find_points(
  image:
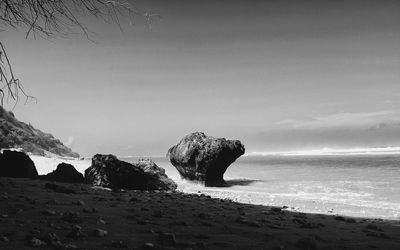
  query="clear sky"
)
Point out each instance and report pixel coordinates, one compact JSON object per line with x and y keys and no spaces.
{"x":277,"y":75}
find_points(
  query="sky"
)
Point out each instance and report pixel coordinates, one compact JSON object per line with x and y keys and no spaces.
{"x":278,"y":75}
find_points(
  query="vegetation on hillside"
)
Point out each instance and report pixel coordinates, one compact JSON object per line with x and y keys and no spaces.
{"x":16,"y":134}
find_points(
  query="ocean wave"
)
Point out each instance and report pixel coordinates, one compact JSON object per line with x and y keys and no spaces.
{"x":331,"y":151}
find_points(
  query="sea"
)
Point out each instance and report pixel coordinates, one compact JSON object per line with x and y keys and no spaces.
{"x":366,"y":185}
{"x":359,"y":184}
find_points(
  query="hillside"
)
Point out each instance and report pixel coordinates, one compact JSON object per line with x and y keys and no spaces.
{"x":17,"y":134}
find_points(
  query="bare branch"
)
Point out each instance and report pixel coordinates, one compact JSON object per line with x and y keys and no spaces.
{"x":50,"y":18}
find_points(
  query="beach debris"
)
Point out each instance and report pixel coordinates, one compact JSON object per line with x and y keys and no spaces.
{"x":108,"y":171}
{"x":199,"y":157}
{"x":64,"y":173}
{"x":59,"y":188}
{"x":16,"y":164}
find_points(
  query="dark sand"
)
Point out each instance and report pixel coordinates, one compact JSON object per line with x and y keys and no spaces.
{"x":31,"y":214}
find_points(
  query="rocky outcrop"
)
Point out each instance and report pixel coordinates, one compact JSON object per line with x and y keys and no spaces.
{"x":108,"y":171}
{"x":64,"y":173}
{"x":17,"y":134}
{"x":16,"y":164}
{"x":198,"y":157}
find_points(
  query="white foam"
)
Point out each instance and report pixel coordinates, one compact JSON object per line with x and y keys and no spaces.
{"x":45,"y":165}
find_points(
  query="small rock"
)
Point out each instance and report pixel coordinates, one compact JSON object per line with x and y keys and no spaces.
{"x":35,"y":242}
{"x":79,"y":203}
{"x":100,"y":233}
{"x":4,"y":238}
{"x":148,"y":246}
{"x":100,"y":221}
{"x":49,"y":212}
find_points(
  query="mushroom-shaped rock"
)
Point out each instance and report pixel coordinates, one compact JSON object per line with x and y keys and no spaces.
{"x":108,"y":171}
{"x":64,"y":173}
{"x":198,"y":157}
{"x":16,"y":164}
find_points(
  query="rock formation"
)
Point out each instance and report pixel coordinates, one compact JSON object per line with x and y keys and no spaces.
{"x":108,"y":171}
{"x":16,"y":164}
{"x":198,"y":157}
{"x":17,"y":134}
{"x":64,"y":173}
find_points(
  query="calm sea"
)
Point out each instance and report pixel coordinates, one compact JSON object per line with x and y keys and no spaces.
{"x":353,"y":185}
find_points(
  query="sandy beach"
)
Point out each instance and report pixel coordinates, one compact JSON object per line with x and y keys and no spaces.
{"x":57,"y":215}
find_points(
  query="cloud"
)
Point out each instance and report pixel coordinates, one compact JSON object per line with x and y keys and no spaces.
{"x":343,"y":120}
{"x":69,"y":141}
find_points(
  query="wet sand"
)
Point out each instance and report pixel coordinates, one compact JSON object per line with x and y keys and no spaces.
{"x":47,"y":215}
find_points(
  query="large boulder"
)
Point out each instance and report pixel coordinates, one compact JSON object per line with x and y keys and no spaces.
{"x":16,"y":164}
{"x":64,"y":173}
{"x":108,"y":171}
{"x":198,"y":157}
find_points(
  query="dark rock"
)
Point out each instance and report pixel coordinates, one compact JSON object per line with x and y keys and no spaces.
{"x":16,"y":164}
{"x":108,"y":171}
{"x":198,"y":157}
{"x":64,"y":173}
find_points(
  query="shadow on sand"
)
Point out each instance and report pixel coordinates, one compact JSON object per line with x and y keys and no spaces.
{"x":240,"y":182}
